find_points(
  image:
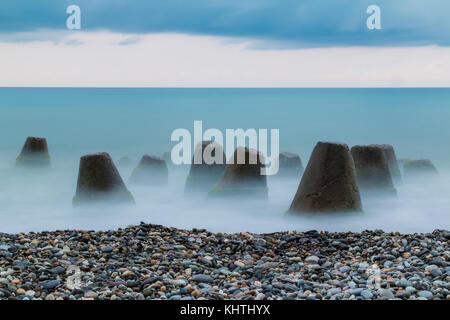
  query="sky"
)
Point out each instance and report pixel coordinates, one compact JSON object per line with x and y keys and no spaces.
{"x":225,"y":43}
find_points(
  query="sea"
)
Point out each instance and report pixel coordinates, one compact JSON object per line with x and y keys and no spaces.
{"x":132,"y":122}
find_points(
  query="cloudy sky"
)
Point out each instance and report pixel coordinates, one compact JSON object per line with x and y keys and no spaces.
{"x":225,"y":43}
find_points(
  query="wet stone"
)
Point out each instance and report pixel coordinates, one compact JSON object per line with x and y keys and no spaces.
{"x":161,"y":266}
{"x":202,"y":278}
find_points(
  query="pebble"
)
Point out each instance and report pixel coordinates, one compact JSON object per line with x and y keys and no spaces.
{"x":30,"y":293}
{"x":153,"y":262}
{"x":366,"y":294}
{"x":50,"y":297}
{"x":260,"y":296}
{"x":385,"y":294}
{"x":51,"y":284}
{"x":425,"y":294}
{"x":312,"y":260}
{"x":20,"y":291}
{"x":107,"y":249}
{"x":436,"y":272}
{"x":91,"y":294}
{"x":345,"y":269}
{"x":202,"y":278}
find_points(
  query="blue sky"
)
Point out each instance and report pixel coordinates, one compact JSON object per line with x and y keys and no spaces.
{"x":290,"y":23}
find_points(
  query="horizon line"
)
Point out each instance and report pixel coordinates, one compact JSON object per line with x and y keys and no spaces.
{"x":219,"y":87}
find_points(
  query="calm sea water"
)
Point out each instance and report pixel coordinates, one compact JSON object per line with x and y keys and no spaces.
{"x":133,"y":122}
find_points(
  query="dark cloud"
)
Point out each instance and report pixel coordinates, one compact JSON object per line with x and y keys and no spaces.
{"x":288,"y":23}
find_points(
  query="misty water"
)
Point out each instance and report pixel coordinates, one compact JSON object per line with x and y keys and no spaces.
{"x":133,"y":122}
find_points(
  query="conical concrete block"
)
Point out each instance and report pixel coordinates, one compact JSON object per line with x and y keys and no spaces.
{"x":203,"y":175}
{"x":290,"y":165}
{"x":372,"y":171}
{"x":243,"y":176}
{"x":329,"y":182}
{"x":99,"y":181}
{"x":34,"y":153}
{"x":392,"y":162}
{"x":151,"y":171}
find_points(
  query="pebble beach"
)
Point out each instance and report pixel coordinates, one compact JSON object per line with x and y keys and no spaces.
{"x":147,"y":261}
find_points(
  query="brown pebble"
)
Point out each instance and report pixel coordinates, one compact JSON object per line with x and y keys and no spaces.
{"x":20,"y":291}
{"x":196,"y":293}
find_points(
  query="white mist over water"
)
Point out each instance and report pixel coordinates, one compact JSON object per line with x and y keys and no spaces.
{"x":134,"y":122}
{"x":42,"y":201}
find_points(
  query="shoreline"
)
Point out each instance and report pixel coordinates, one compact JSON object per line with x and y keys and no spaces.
{"x":199,"y":229}
{"x":148,"y":261}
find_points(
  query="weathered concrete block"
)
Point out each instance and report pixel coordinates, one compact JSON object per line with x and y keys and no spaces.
{"x":392,"y":162}
{"x":419,"y":167}
{"x":242,"y":176}
{"x":150,"y":171}
{"x":290,"y":165}
{"x":203,"y":175}
{"x":99,"y":181}
{"x":329,"y":182}
{"x":372,"y":171}
{"x":34,"y":153}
